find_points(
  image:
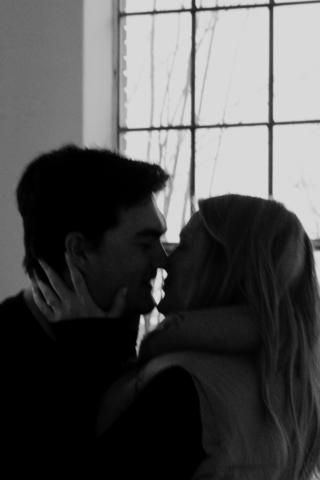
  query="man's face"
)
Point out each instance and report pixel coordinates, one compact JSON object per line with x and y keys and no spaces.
{"x":129,"y":255}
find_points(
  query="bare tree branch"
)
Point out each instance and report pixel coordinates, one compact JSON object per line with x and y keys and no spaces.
{"x":152,"y":75}
{"x":166,"y":93}
{"x":212,"y":27}
{"x":226,"y":102}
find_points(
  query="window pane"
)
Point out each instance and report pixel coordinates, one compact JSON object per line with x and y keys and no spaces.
{"x":154,"y":70}
{"x":297,"y":172}
{"x":227,"y":3}
{"x":150,"y":5}
{"x":297,"y":62}
{"x":232,"y":66}
{"x":171,"y":150}
{"x":233,"y":160}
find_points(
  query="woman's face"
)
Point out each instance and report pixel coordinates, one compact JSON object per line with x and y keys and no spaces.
{"x":185,"y":267}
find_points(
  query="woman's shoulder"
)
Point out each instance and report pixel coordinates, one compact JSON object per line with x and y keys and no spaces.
{"x":213,"y":366}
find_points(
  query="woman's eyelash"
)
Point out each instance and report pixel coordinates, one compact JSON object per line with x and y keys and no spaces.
{"x":145,"y":245}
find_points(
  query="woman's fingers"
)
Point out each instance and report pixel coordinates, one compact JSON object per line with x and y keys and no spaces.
{"x":78,"y":281}
{"x":49,"y":295}
{"x":58,"y":286}
{"x":41,"y":303}
{"x":118,"y":305}
{"x":59,"y":302}
{"x":65,"y":302}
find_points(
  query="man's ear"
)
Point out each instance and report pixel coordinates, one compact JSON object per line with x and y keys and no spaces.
{"x":79,"y":249}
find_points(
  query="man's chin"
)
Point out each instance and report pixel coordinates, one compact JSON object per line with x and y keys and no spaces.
{"x":162,"y":307}
{"x":142,"y":307}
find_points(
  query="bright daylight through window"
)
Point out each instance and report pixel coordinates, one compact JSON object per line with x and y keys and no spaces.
{"x":224,"y":94}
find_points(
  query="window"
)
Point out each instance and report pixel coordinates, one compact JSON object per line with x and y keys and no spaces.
{"x":224,"y":94}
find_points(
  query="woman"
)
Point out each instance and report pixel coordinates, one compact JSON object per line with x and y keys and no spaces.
{"x":260,"y":414}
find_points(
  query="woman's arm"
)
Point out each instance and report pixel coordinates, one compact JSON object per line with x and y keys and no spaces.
{"x":222,"y":330}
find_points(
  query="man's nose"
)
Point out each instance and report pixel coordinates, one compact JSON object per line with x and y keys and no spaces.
{"x":161,"y":257}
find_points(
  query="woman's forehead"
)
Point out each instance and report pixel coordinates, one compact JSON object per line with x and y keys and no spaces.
{"x":193,"y":225}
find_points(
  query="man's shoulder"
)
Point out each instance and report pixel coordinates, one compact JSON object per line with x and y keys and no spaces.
{"x":12,"y":307}
{"x":17,"y":323}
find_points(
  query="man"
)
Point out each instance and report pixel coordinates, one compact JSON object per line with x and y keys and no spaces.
{"x":97,"y":207}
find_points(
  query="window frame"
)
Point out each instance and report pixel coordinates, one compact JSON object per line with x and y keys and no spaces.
{"x":193,"y":127}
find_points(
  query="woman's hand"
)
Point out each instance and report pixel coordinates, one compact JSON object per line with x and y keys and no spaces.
{"x":58,"y":302}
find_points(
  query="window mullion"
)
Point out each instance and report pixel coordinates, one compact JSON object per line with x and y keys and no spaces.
{"x":193,"y":120}
{"x":271,"y":96}
{"x":116,"y":63}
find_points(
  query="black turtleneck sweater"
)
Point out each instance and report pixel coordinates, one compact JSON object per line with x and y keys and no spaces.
{"x":51,"y":389}
{"x":50,"y":394}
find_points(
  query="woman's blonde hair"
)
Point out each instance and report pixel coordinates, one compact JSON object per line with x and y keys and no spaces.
{"x":269,"y":264}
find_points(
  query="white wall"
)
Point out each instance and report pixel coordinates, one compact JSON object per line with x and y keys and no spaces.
{"x":99,"y":74}
{"x":42,"y":98}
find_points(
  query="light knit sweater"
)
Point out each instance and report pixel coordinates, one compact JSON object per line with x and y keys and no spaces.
{"x":237,"y":435}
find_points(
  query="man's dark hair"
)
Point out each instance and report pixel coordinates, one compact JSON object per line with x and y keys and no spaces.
{"x":78,"y":189}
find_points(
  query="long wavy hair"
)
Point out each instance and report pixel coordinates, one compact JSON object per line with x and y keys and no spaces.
{"x":269,"y":265}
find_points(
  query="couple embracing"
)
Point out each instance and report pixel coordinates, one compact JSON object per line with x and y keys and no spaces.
{"x":225,"y":387}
